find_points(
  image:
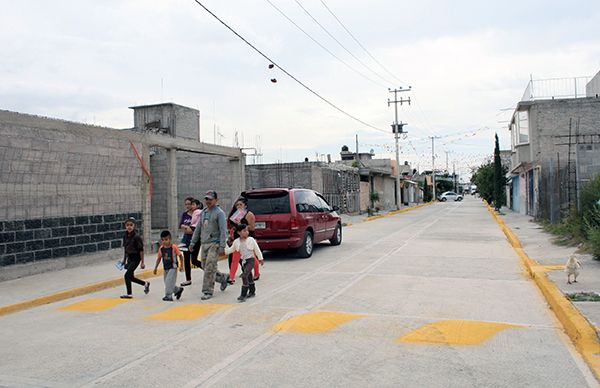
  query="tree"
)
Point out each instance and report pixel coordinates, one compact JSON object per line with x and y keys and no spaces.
{"x":426,"y":192}
{"x":483,"y":178}
{"x":499,"y":179}
{"x":443,"y":185}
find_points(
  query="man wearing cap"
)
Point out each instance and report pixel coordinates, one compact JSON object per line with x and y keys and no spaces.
{"x":212,"y":232}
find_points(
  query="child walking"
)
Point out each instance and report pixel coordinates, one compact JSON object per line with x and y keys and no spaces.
{"x":247,"y":248}
{"x":169,"y":253}
{"x":133,"y":247}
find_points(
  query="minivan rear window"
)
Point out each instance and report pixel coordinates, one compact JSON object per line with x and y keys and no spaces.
{"x":275,"y":203}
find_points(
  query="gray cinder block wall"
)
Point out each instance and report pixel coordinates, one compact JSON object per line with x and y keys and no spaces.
{"x":339,"y":184}
{"x":196,"y":174}
{"x":549,"y":119}
{"x":168,"y":118}
{"x":66,"y":188}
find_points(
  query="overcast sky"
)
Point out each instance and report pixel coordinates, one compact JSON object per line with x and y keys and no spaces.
{"x":465,"y":60}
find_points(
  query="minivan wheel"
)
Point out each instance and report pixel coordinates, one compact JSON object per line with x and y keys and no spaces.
{"x":306,"y":249}
{"x":337,"y":236}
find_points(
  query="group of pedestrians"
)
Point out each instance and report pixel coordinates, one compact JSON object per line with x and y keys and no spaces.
{"x":205,"y":234}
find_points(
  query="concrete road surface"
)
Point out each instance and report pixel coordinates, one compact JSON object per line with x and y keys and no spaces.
{"x":434,"y":297}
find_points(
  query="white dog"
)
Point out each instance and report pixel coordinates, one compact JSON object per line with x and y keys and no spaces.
{"x":572,"y":268}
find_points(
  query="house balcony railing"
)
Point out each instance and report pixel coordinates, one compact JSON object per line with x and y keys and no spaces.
{"x":555,"y":88}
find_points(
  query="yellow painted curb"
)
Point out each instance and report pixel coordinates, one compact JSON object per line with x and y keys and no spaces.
{"x":73,"y":292}
{"x":396,"y":212}
{"x":582,"y":333}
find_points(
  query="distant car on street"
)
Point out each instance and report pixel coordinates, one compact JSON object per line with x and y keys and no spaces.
{"x":293,"y":218}
{"x":450,"y":195}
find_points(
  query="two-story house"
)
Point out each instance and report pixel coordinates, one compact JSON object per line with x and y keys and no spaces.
{"x":555,"y":144}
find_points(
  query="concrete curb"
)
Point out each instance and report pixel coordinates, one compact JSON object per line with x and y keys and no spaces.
{"x":73,"y":292}
{"x":103,"y":285}
{"x":395,"y":212}
{"x":578,"y":328}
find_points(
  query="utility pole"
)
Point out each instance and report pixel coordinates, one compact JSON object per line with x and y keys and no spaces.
{"x":447,"y":152}
{"x":433,"y":163}
{"x":397,"y":130}
{"x":454,"y":176}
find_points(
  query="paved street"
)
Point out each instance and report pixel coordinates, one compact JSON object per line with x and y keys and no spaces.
{"x":432,"y":297}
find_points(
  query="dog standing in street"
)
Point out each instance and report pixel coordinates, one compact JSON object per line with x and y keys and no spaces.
{"x":572,"y":267}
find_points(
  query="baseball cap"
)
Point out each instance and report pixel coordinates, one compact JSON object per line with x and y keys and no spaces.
{"x":211,"y":194}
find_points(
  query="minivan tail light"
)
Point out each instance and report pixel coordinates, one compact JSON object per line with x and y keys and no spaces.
{"x":294,"y":224}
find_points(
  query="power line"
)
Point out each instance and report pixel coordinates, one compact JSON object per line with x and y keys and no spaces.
{"x":340,"y":43}
{"x":360,"y":44}
{"x":323,"y":47}
{"x":287,"y":73}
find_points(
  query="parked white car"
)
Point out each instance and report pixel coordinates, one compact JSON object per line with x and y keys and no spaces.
{"x":450,"y":195}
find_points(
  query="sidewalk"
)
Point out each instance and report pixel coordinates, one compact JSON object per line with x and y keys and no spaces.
{"x":28,"y":288}
{"x":35,"y":286}
{"x":539,"y":246}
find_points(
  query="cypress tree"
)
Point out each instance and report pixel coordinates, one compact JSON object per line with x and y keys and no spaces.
{"x":499,"y":179}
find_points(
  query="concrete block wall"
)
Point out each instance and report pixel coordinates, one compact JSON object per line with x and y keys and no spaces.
{"x":187,"y":122}
{"x":65,"y":187}
{"x":592,"y":89}
{"x":196,"y":174}
{"x":385,"y":186}
{"x":588,"y":156}
{"x":176,"y":120}
{"x":548,"y":119}
{"x":280,"y":175}
{"x":34,"y":240}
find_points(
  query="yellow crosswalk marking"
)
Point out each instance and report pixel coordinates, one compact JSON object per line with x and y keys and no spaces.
{"x":318,"y":322}
{"x":455,"y":332}
{"x":94,"y":304}
{"x":188,"y":312}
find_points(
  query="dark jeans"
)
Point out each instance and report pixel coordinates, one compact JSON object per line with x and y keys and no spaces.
{"x":247,"y":267}
{"x":132,"y":264}
{"x":190,"y":258}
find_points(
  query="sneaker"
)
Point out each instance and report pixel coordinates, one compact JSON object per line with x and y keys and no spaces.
{"x":126,"y":297}
{"x":224,"y":283}
{"x":206,"y":296}
{"x":241,"y":298}
{"x":168,"y":299}
{"x":147,"y":288}
{"x":178,"y":293}
{"x":188,"y":283}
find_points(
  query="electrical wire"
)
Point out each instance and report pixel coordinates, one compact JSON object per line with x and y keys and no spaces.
{"x":361,"y":45}
{"x":289,"y":74}
{"x":323,"y":47}
{"x":340,"y":43}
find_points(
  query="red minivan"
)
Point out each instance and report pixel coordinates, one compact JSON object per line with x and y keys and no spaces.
{"x":293,"y":218}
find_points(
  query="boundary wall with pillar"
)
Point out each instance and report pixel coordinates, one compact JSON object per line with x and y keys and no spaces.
{"x":67,"y":187}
